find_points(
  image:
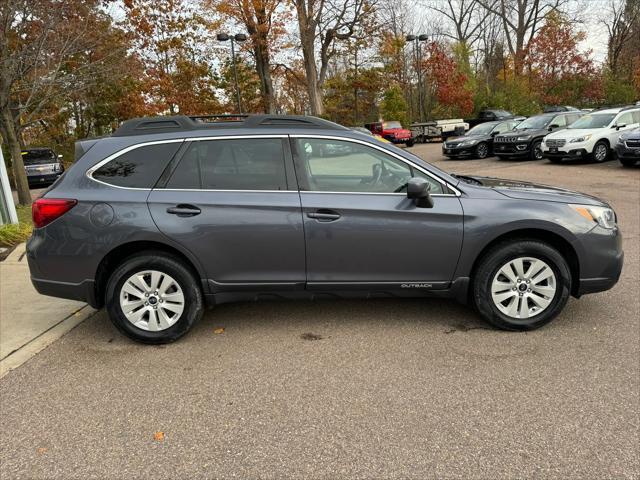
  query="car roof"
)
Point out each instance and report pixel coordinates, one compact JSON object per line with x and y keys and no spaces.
{"x":209,"y":123}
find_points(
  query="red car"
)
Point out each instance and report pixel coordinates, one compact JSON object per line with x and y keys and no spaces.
{"x":391,"y":131}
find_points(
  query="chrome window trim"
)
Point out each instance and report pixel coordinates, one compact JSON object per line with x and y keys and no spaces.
{"x":89,"y":173}
{"x":442,"y":182}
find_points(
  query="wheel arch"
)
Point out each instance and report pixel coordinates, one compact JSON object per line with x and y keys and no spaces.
{"x":556,"y":240}
{"x":118,"y":254}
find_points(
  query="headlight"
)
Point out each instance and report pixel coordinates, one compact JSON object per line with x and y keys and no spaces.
{"x":603,"y":216}
{"x":584,"y":138}
{"x":524,"y":138}
{"x":467,"y":143}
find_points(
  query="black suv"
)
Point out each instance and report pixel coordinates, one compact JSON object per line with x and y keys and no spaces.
{"x":526,"y":138}
{"x":628,"y":148}
{"x":170,"y":214}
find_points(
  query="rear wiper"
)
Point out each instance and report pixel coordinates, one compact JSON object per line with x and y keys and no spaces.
{"x":467,"y":179}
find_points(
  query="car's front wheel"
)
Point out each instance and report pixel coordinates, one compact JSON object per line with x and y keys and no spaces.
{"x":628,"y":162}
{"x":521,"y":285}
{"x":600,"y":152}
{"x":153,"y":298}
{"x":482,"y":150}
{"x":536,"y":150}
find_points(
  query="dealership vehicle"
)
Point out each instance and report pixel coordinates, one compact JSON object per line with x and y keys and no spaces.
{"x":559,"y":108}
{"x":478,"y":142}
{"x":42,"y":165}
{"x":392,"y":131}
{"x":170,"y":214}
{"x":442,"y":129}
{"x":593,"y":136}
{"x":628,"y":148}
{"x":526,"y":138}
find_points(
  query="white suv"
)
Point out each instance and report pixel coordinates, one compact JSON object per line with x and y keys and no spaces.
{"x":593,"y":136}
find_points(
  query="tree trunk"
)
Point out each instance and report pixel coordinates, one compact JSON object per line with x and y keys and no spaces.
{"x":307,"y":29}
{"x":263,"y":67}
{"x":20,"y":176}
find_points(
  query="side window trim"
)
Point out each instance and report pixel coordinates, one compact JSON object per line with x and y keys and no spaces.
{"x":302,"y":181}
{"x":89,"y":173}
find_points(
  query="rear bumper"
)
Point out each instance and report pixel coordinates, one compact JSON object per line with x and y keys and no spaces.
{"x":83,"y":291}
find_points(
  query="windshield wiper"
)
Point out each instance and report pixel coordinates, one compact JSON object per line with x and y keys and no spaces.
{"x":467,"y":179}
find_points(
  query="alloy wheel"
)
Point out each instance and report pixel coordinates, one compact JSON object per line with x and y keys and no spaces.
{"x":600,"y":152}
{"x":152,"y":300}
{"x":523,"y":288}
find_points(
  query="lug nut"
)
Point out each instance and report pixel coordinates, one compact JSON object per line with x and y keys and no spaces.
{"x":146,"y":294}
{"x":146,"y":303}
{"x":155,"y":307}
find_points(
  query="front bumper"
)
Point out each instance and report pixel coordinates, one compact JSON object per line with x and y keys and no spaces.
{"x":452,"y":152}
{"x":601,"y":266}
{"x":628,"y":153}
{"x":43,"y":178}
{"x":573,"y":154}
{"x":511,"y":149}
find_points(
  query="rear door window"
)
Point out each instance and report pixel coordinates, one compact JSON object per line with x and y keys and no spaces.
{"x":232,"y":164}
{"x":137,"y":168}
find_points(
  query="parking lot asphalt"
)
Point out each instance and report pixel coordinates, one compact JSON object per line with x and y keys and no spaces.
{"x":349,"y":389}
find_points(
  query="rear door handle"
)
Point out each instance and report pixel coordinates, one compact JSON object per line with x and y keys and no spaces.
{"x":184,"y":210}
{"x":324,"y":215}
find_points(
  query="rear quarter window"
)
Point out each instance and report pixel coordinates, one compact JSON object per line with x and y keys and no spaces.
{"x":137,"y":168}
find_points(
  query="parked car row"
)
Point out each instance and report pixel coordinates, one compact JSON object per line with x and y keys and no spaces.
{"x":557,"y":136}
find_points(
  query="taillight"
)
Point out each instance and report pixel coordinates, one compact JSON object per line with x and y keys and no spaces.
{"x":46,"y":210}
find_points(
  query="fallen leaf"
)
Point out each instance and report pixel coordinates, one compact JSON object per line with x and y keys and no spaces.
{"x":41,"y":450}
{"x":219,"y":330}
{"x":158,"y":436}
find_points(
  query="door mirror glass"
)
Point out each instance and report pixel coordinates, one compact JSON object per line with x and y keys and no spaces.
{"x":418,"y":191}
{"x":553,"y":126}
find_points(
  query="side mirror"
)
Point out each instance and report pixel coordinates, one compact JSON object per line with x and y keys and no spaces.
{"x":619,"y":126}
{"x":418,"y":191}
{"x":553,"y":126}
{"x":493,"y":134}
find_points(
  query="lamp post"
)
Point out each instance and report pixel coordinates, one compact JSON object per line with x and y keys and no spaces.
{"x":238,"y":37}
{"x":416,"y":39}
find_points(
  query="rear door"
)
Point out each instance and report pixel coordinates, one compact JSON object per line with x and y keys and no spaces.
{"x":362,"y":230}
{"x":233,"y":202}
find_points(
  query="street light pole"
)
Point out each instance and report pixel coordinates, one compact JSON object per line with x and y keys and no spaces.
{"x":238,"y":37}
{"x":416,"y":39}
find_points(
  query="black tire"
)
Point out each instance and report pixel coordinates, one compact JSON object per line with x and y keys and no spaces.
{"x":170,"y":265}
{"x":536,"y":150}
{"x":500,"y":255}
{"x":410,"y":143}
{"x":599,"y":145}
{"x":628,"y":162}
{"x":482,"y":150}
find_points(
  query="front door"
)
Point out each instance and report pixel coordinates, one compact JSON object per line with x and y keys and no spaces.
{"x":362,"y":230}
{"x":230,"y":203}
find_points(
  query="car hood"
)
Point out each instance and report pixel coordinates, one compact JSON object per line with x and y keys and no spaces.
{"x":634,"y":134}
{"x":535,"y":191}
{"x":467,"y":137}
{"x":569,"y":133}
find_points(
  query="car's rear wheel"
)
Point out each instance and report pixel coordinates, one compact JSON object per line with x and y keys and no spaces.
{"x":521,"y":285}
{"x":482,"y":150}
{"x":153,"y":298}
{"x":600,"y":151}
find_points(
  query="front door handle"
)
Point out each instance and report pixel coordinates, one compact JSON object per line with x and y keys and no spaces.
{"x":184,"y":210}
{"x":324,"y":215}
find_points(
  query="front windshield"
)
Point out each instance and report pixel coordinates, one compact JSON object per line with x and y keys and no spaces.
{"x":595,"y":120}
{"x":482,"y":129}
{"x":534,"y":123}
{"x":34,"y":157}
{"x":388,"y":125}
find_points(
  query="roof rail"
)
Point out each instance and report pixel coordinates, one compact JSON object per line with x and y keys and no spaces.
{"x":183,"y":123}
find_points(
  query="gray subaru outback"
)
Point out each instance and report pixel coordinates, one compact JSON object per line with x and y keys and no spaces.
{"x":172,"y":214}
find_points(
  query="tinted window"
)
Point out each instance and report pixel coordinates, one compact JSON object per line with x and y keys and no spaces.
{"x":34,"y":157}
{"x":138,"y":168}
{"x":239,"y":164}
{"x":340,"y":166}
